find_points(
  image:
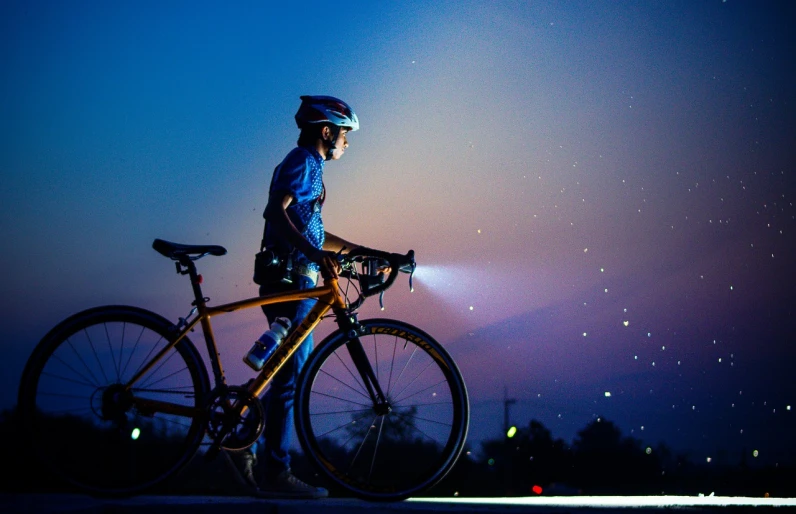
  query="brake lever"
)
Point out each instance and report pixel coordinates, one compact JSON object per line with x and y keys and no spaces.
{"x":410,"y":268}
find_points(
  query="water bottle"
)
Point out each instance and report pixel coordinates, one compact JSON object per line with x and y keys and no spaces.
{"x":267,"y":343}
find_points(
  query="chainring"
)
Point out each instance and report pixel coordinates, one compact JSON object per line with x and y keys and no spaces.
{"x":236,"y":416}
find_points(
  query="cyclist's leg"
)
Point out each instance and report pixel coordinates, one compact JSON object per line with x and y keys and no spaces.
{"x":278,"y":400}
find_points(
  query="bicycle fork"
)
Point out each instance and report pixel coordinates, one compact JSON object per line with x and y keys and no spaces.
{"x":360,"y":359}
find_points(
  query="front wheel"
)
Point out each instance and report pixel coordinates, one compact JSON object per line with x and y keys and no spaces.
{"x":387,"y":448}
{"x":81,"y":420}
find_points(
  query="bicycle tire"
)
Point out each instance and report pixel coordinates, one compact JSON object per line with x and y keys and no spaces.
{"x":386,"y":456}
{"x":96,"y":443}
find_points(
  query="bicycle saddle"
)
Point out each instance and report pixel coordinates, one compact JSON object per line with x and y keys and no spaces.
{"x":175,"y":250}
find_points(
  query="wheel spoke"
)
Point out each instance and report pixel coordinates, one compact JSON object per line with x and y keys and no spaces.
{"x":414,"y":380}
{"x":79,"y":356}
{"x":362,"y":444}
{"x":375,"y":449}
{"x":334,"y":397}
{"x":358,"y":390}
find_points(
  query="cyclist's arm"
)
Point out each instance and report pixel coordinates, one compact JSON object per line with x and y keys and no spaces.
{"x":276,"y":213}
{"x":337,"y":244}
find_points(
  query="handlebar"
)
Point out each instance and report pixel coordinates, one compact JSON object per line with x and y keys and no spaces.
{"x":372,"y":279}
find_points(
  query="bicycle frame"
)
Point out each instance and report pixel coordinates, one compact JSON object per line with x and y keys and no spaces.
{"x":329,"y":298}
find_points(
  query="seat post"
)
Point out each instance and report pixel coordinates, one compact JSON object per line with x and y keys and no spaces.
{"x":196,"y":280}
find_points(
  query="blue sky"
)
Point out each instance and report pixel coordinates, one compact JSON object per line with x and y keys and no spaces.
{"x":600,"y":194}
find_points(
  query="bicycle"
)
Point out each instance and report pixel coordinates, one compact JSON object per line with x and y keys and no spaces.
{"x":133,"y":395}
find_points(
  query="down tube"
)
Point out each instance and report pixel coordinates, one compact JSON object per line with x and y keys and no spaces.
{"x":288,"y":346}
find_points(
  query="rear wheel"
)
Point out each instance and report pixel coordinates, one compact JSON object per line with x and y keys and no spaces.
{"x":382,"y":450}
{"x":82,"y":422}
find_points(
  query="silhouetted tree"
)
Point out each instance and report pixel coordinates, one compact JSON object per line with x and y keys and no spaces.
{"x":608,"y":463}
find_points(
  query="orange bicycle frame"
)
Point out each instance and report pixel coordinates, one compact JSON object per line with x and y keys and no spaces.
{"x":328,"y":296}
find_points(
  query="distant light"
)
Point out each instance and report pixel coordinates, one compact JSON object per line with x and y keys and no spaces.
{"x":135,"y":434}
{"x":626,"y":323}
{"x":491,"y":462}
{"x":607,"y":394}
{"x":755,"y":453}
{"x":709,"y":459}
{"x":648,"y":450}
{"x":536,"y":489}
{"x":512,"y":432}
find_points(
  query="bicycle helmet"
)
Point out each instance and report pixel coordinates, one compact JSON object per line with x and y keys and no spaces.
{"x":326,"y":109}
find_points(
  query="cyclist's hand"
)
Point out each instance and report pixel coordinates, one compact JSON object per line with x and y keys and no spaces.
{"x":330,"y":266}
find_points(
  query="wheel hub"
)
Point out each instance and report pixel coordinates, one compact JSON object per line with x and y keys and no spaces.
{"x":116,"y":401}
{"x":382,"y":409}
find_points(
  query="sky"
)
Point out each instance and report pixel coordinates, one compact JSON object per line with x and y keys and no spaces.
{"x":599,"y":194}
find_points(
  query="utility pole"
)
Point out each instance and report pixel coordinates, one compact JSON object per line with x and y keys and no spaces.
{"x":506,"y":403}
{"x":508,"y":467}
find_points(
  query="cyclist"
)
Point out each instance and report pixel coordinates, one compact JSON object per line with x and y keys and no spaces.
{"x":294,"y":228}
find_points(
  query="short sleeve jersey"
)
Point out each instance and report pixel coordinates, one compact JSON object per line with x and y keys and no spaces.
{"x":300,"y":174}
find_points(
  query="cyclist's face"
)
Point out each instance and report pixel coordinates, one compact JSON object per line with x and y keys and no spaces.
{"x":341,"y":143}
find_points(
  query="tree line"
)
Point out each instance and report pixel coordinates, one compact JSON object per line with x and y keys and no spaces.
{"x":600,"y":461}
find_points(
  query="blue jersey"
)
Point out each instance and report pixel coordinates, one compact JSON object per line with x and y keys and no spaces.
{"x":300,"y":174}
